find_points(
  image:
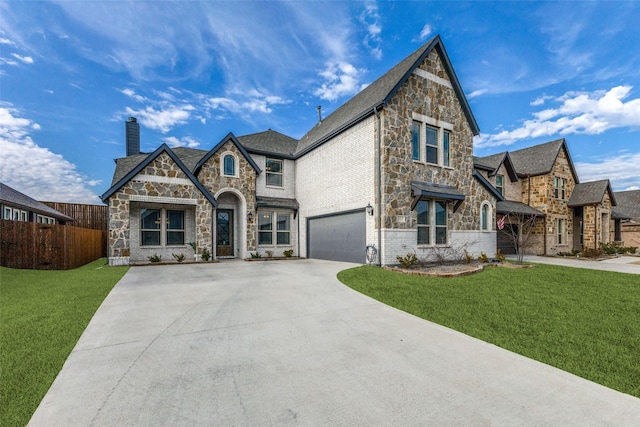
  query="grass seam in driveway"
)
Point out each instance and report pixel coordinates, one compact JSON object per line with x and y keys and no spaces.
{"x":582,"y":321}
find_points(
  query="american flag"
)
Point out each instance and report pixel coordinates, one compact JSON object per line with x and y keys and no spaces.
{"x":501,"y":223}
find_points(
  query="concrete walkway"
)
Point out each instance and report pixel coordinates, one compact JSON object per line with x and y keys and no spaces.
{"x":284,"y":343}
{"x":622,"y":264}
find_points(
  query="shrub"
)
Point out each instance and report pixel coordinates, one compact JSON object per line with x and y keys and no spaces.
{"x":256,"y":255}
{"x":408,"y":260}
{"x":155,"y":258}
{"x":468,"y":258}
{"x":194,"y":246}
{"x":288,"y":253}
{"x":592,"y":253}
{"x":206,"y":254}
{"x":178,"y":257}
{"x":483,"y":257}
{"x":501,"y":257}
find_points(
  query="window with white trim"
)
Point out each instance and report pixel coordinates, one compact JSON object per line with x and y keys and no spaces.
{"x":432,"y":222}
{"x":485,"y":214}
{"x":274,"y":227}
{"x":8,"y":213}
{"x":430,"y":143}
{"x":229,"y":165}
{"x":274,"y":172}
{"x":161,"y":227}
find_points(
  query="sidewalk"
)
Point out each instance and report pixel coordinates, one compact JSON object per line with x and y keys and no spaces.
{"x":622,"y":264}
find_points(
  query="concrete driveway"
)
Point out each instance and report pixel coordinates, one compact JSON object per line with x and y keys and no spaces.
{"x":284,"y":343}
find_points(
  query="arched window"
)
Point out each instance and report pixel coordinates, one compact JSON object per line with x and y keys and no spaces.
{"x":229,"y":165}
{"x":485,"y":217}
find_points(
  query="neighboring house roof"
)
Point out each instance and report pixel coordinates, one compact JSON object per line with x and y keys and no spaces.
{"x":14,"y":198}
{"x":539,"y":159}
{"x":628,"y":205}
{"x":492,"y":164}
{"x":164,"y":148}
{"x":486,"y":184}
{"x":232,"y":139}
{"x":268,"y":143}
{"x":379,"y":93}
{"x":591,"y":193}
{"x":510,"y":206}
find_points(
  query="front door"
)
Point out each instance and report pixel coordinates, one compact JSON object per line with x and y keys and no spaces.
{"x":224,"y":231}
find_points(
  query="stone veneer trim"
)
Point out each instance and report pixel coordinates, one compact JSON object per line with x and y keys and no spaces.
{"x":158,"y":199}
{"x":162,"y":179}
{"x":430,"y":76}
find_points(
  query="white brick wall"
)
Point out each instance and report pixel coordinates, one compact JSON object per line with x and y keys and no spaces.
{"x":401,"y":242}
{"x":338,"y":176}
{"x":288,"y":190}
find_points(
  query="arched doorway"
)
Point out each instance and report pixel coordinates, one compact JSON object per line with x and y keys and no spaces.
{"x":230,"y":224}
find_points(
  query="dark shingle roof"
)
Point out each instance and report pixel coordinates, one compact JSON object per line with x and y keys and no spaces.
{"x":269,"y":142}
{"x":378,"y":93}
{"x":539,"y":159}
{"x":17,"y":199}
{"x":628,"y":204}
{"x":493,"y":162}
{"x":590,"y":193}
{"x":510,"y":206}
{"x":188,"y":156}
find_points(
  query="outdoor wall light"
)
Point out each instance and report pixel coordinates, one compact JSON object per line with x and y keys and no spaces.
{"x":369,"y":209}
{"x":250,"y":216}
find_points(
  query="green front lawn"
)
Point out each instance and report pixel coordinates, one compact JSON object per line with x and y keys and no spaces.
{"x":585,"y":322}
{"x":42,"y":315}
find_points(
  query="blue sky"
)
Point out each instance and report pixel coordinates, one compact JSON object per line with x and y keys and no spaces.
{"x":72,"y":72}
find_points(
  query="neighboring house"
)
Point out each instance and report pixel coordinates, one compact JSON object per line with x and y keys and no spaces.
{"x":20,"y":207}
{"x":392,"y":168}
{"x":626,"y":218}
{"x":541,"y":180}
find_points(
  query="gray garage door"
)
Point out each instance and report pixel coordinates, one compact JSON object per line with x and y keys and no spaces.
{"x":339,"y":237}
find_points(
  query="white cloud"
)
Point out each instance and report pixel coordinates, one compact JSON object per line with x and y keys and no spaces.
{"x":540,"y":101}
{"x":56,"y":179}
{"x":132,"y":94}
{"x":163,"y":119}
{"x":588,"y":113}
{"x":370,"y":18}
{"x":24,"y":59}
{"x":4,"y":40}
{"x":341,"y":79}
{"x":477,"y":93}
{"x":426,"y":31}
{"x":185,"y":141}
{"x":622,"y":170}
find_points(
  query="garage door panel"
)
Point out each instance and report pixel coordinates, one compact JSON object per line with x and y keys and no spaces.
{"x":339,"y":237}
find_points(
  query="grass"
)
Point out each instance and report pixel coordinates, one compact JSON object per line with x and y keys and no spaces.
{"x":42,"y":315}
{"x":585,"y":322}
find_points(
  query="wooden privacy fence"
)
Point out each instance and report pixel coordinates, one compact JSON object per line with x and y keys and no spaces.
{"x":48,"y":246}
{"x":84,"y":216}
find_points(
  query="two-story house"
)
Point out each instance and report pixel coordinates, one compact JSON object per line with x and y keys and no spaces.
{"x":391,"y":169}
{"x":541,"y":181}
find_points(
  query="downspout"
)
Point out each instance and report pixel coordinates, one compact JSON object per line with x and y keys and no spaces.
{"x":595,"y":227}
{"x":377,"y":114}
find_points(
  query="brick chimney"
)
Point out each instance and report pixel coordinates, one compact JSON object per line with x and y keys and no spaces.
{"x":132,"y":135}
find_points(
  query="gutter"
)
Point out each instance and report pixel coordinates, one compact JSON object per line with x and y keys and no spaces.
{"x":379,"y":179}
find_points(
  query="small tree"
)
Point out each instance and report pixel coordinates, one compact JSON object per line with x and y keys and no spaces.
{"x":518,"y":227}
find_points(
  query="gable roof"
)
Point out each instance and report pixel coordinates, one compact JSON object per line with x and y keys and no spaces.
{"x":539,"y":159}
{"x":591,"y":193}
{"x":269,"y":142}
{"x":378,"y":94}
{"x":628,"y":204}
{"x":164,"y":148}
{"x":229,"y":138}
{"x":14,"y":198}
{"x":492,"y":164}
{"x":487,"y":185}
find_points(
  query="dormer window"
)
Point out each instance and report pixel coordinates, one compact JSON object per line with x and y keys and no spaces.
{"x":229,"y":165}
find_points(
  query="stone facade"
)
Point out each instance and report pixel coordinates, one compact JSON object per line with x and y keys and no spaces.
{"x":243,"y":186}
{"x":160,"y":183}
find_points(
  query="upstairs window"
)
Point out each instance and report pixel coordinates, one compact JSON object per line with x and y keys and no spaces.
{"x":415,"y":140}
{"x":500,"y":184}
{"x":559,"y":187}
{"x":274,"y":172}
{"x":432,"y":145}
{"x":229,"y":165}
{"x":445,"y":148}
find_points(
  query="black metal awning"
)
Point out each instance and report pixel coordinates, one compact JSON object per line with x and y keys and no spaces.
{"x":426,"y":190}
{"x":278,"y":203}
